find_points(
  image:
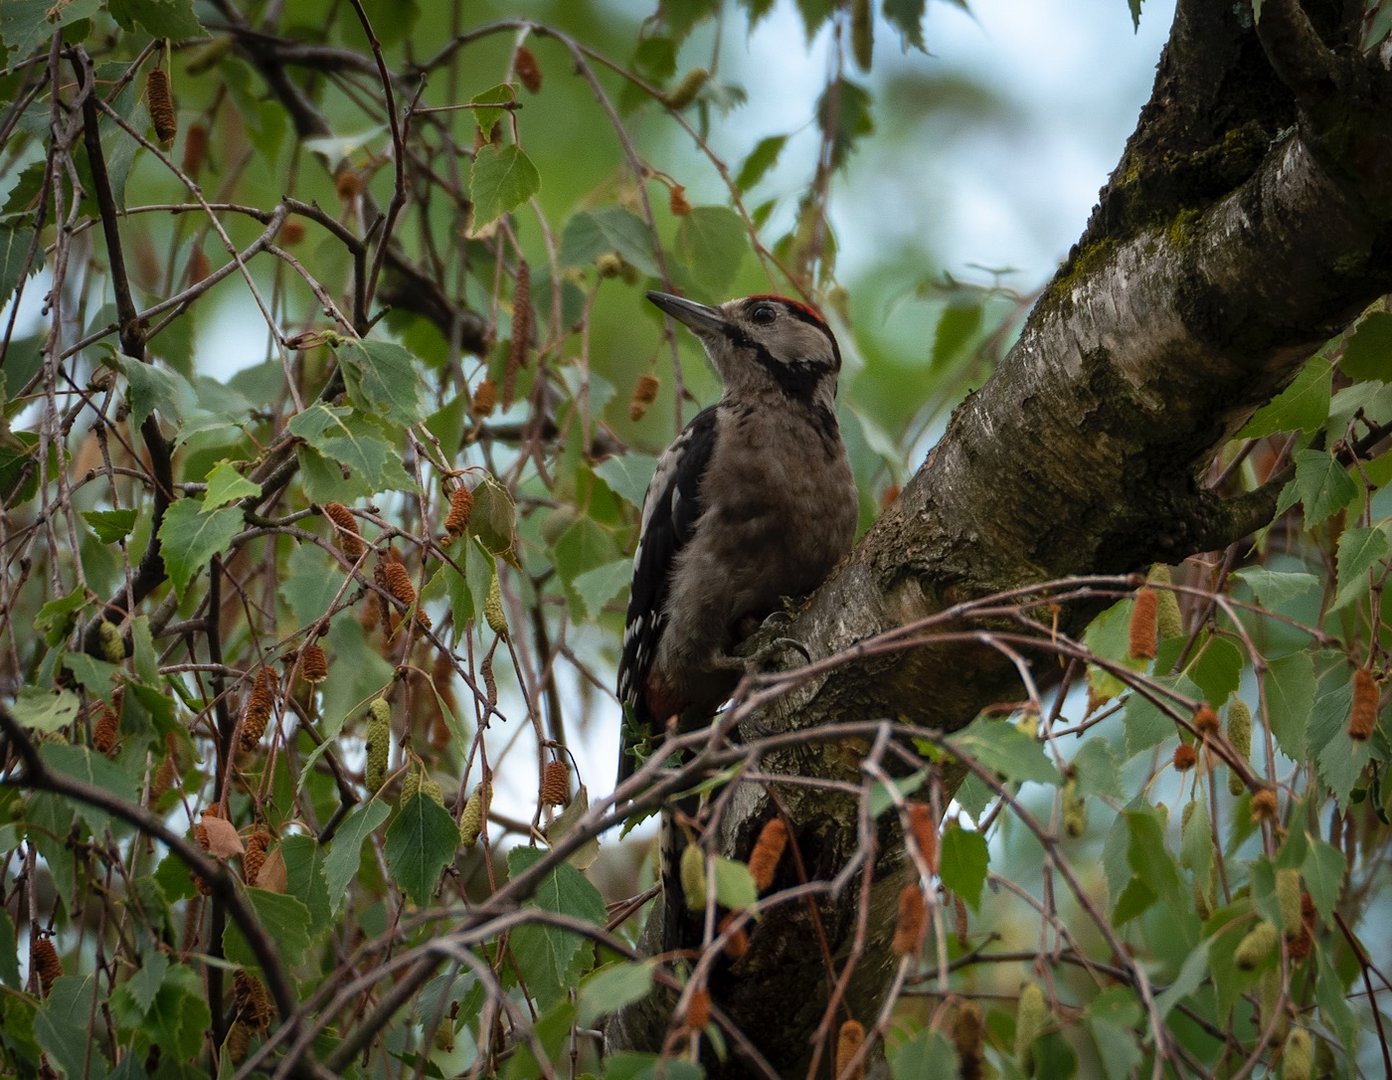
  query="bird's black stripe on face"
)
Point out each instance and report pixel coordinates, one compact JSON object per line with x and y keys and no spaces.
{"x":796,"y":378}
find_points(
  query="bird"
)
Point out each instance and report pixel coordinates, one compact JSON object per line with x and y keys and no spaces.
{"x":752,"y":503}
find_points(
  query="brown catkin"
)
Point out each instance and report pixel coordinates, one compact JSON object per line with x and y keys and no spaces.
{"x":1185,"y":756}
{"x":251,"y":1000}
{"x":485,"y":398}
{"x":348,"y":184}
{"x":924,"y":828}
{"x":291,"y":232}
{"x":737,"y":944}
{"x":968,"y":1034}
{"x":676,"y":201}
{"x":1363,"y":712}
{"x":238,"y":1042}
{"x":346,"y":533}
{"x":256,"y":713}
{"x":398,"y":580}
{"x":961,"y":922}
{"x":1264,"y":805}
{"x":1301,"y":945}
{"x":555,"y":783}
{"x":108,"y":725}
{"x":527,"y":69}
{"x":314,"y":664}
{"x":461,"y":507}
{"x":908,"y":930}
{"x":698,"y":1009}
{"x":254,"y":856}
{"x":199,"y":267}
{"x":684,"y":93}
{"x":862,"y":33}
{"x":1206,"y":721}
{"x":195,"y":149}
{"x":44,"y":963}
{"x":768,"y":850}
{"x":1240,"y":737}
{"x":521,"y":339}
{"x":1141,"y":637}
{"x":165,"y":772}
{"x":644,"y":394}
{"x":849,"y":1040}
{"x":160,"y":100}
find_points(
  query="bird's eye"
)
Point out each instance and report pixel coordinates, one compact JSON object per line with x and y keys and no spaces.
{"x":763,"y":314}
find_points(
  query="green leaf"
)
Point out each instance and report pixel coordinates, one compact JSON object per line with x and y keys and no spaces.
{"x":1368,"y":350}
{"x":96,"y":676}
{"x":26,"y":23}
{"x":225,"y":485}
{"x":9,"y":953}
{"x":1190,"y":978}
{"x":597,"y":587}
{"x":66,"y":1011}
{"x":734,"y":887}
{"x":345,"y":440}
{"x":1277,"y":589}
{"x":711,"y":242}
{"x":611,"y":988}
{"x":179,"y":1015}
{"x":1290,"y":698}
{"x":383,"y":380}
{"x":1301,"y":406}
{"x":632,"y":1065}
{"x":762,"y":158}
{"x":419,"y":844}
{"x":1003,"y":748}
{"x":345,"y":854}
{"x":906,"y":16}
{"x":1135,"y":899}
{"x":145,"y":983}
{"x":94,"y":770}
{"x":1147,"y":724}
{"x":45,"y":710}
{"x":152,"y":388}
{"x":284,"y":920}
{"x":1217,"y":670}
{"x":956,"y":329}
{"x":1196,"y":845}
{"x":494,"y":519}
{"x":627,"y":475}
{"x":1323,"y":871}
{"x":591,"y":233}
{"x":111,"y":526}
{"x":963,"y":860}
{"x":502,"y":178}
{"x":173,"y":19}
{"x":189,"y":538}
{"x":304,"y":868}
{"x":926,"y":1054}
{"x":1098,"y":771}
{"x":14,"y":251}
{"x":548,"y":955}
{"x":1147,"y":854}
{"x":1360,"y":550}
{"x":486,"y":105}
{"x":56,"y":618}
{"x":1324,"y":485}
{"x":844,"y":115}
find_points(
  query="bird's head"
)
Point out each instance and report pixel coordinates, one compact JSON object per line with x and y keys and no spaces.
{"x":759,"y":342}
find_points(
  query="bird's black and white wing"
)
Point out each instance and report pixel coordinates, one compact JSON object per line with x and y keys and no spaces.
{"x":671,"y":508}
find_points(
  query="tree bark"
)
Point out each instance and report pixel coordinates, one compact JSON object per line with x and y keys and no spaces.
{"x":1249,"y":220}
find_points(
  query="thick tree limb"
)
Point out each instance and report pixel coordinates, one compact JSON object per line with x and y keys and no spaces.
{"x":1249,"y":220}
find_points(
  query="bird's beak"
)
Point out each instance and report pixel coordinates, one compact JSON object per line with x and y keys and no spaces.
{"x":699,"y":317}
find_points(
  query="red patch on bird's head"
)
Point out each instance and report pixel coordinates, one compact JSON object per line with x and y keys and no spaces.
{"x":805,"y":311}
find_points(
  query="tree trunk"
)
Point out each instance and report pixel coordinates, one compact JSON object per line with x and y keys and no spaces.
{"x":1248,"y":221}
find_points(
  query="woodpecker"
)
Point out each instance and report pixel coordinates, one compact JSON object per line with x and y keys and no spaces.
{"x":753,"y":502}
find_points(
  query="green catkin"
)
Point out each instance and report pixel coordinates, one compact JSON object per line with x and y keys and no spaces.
{"x":113,"y":646}
{"x":493,"y":609}
{"x":1029,"y":1021}
{"x":1074,"y":810}
{"x":1256,"y":946}
{"x":686,"y":90}
{"x":693,"y":877}
{"x":1298,"y":1056}
{"x":862,"y":33}
{"x":1168,"y":621}
{"x":1240,"y":736}
{"x":471,"y":821}
{"x":378,"y":743}
{"x":1288,"y":899}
